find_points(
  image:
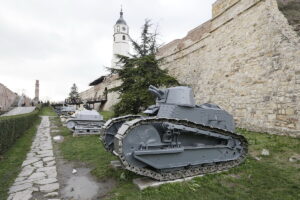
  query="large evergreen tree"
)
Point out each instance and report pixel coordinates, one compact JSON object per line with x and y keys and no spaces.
{"x":139,"y":72}
{"x":74,"y":95}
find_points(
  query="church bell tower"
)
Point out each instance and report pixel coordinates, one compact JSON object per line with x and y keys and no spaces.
{"x":121,"y":41}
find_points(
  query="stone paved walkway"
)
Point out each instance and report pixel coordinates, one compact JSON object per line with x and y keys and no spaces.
{"x":19,"y":111}
{"x":38,"y":178}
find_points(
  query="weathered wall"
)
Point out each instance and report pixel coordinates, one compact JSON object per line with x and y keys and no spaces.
{"x":109,"y":82}
{"x":7,"y":98}
{"x":291,"y":10}
{"x":247,"y":60}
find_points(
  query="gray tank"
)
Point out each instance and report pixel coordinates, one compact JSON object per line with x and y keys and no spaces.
{"x":85,"y":122}
{"x":67,"y":111}
{"x":179,"y":138}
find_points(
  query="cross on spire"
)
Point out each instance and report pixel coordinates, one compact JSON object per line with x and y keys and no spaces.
{"x":121,"y":12}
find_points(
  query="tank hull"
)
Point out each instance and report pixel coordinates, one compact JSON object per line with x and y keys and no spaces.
{"x":86,"y":122}
{"x":85,"y":126}
{"x":193,"y":149}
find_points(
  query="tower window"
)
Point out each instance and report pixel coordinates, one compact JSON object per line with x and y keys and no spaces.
{"x":124,"y":37}
{"x":118,"y":28}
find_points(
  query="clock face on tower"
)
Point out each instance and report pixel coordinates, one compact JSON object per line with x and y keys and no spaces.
{"x":123,"y":28}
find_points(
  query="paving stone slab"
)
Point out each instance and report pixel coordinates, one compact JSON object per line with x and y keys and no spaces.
{"x":49,"y":187}
{"x":26,"y":181}
{"x":46,"y":181}
{"x":52,"y":194}
{"x":45,"y":152}
{"x":51,"y":163}
{"x":20,"y":179}
{"x":52,"y":173}
{"x":46,"y":159}
{"x":30,"y":161}
{"x":44,"y":169}
{"x":26,"y":171}
{"x":24,"y":195}
{"x":37,"y":175}
{"x":38,"y":164}
{"x":45,"y":155}
{"x":17,"y":188}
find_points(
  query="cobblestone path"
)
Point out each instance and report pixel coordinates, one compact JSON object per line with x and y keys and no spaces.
{"x":38,"y":177}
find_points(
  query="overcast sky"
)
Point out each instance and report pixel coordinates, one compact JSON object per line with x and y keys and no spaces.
{"x":61,"y":42}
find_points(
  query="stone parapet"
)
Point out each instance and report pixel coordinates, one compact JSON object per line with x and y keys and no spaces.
{"x":221,"y":6}
{"x":97,"y":91}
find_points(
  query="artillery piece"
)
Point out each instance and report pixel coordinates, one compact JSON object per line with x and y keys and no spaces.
{"x":179,"y":138}
{"x":85,"y":122}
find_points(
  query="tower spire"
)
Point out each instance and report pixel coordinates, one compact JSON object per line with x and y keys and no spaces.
{"x":121,"y":19}
{"x":121,"y":12}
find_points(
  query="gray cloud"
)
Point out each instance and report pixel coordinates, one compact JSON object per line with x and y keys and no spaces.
{"x":61,"y":42}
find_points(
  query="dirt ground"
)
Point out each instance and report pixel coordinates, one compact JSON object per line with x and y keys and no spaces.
{"x":79,"y":185}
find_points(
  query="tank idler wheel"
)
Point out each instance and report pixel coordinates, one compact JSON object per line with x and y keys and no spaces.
{"x":71,"y":125}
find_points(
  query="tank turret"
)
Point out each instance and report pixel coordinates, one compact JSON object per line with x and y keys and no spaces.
{"x":181,"y":96}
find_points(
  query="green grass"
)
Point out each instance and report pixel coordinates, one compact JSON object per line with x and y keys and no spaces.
{"x":272,"y":177}
{"x":47,"y":111}
{"x":107,"y":114}
{"x":11,"y":161}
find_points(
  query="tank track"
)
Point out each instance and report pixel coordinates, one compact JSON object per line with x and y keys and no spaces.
{"x":180,"y":173}
{"x":110,"y":122}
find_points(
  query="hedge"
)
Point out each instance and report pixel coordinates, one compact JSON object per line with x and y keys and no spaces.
{"x":12,"y":127}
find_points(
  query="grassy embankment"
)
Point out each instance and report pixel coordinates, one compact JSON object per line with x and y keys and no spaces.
{"x":47,"y":111}
{"x":11,"y":161}
{"x":107,"y":114}
{"x":271,"y":177}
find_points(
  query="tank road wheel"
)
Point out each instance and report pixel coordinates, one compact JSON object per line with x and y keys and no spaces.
{"x":71,"y":125}
{"x":135,"y":141}
{"x":110,"y":129}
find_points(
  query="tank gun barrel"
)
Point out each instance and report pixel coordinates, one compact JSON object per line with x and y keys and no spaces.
{"x":157,"y":92}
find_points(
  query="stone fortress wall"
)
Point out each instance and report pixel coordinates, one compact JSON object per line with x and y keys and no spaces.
{"x":7,"y":98}
{"x":96,"y":91}
{"x":247,"y":60}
